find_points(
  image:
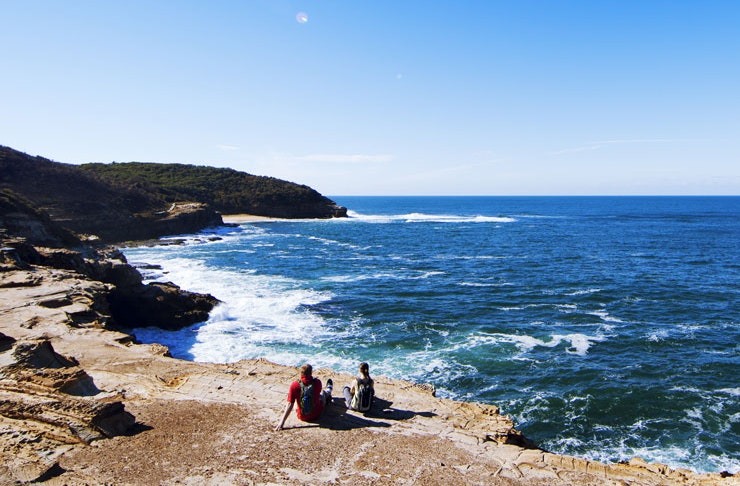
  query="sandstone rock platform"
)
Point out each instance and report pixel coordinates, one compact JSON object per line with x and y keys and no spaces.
{"x":82,"y":404}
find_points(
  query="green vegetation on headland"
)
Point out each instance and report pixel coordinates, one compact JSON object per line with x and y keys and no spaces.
{"x":135,"y":201}
{"x":226,"y":190}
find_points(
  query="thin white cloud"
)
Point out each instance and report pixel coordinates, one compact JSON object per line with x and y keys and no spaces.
{"x":227,"y":148}
{"x":597,"y":145}
{"x":343,"y":158}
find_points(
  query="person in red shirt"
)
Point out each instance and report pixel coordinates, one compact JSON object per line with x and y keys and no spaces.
{"x":309,"y":396}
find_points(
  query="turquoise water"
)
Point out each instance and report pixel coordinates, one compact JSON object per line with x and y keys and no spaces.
{"x":608,"y":327}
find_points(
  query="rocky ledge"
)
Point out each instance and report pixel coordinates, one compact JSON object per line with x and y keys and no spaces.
{"x":82,"y":403}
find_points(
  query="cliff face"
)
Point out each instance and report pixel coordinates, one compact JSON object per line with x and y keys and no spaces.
{"x":136,"y":201}
{"x":85,"y":204}
{"x":226,"y":190}
{"x":37,"y":244}
{"x":18,"y":217}
{"x":69,"y":379}
{"x":54,"y":284}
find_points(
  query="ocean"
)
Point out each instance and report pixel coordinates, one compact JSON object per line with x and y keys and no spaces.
{"x":607,"y":327}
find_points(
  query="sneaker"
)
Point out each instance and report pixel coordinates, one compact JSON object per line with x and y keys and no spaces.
{"x":329,"y":385}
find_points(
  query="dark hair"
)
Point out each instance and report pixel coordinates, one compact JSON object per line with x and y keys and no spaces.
{"x":306,"y":370}
{"x":365,"y":369}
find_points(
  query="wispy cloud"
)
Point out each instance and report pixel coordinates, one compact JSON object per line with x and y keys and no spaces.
{"x":227,"y":148}
{"x":342,"y":158}
{"x":597,"y":145}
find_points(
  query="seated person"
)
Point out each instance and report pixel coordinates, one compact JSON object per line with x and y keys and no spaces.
{"x":311,"y":399}
{"x":359,"y":396}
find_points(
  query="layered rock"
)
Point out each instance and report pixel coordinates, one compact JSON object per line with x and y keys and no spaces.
{"x":66,"y":372}
{"x":67,"y":382}
{"x":53,"y":285}
{"x":48,"y":405}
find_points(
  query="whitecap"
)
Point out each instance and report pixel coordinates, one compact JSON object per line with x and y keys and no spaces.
{"x":657,"y":336}
{"x":566,"y":308}
{"x":428,"y":218}
{"x":605,"y":316}
{"x":583,"y":292}
{"x":484,"y":284}
{"x":579,"y":343}
{"x":330,"y":242}
{"x":425,"y":275}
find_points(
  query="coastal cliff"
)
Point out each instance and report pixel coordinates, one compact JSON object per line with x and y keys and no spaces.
{"x":139,"y":201}
{"x":81,"y":402}
{"x":226,"y":190}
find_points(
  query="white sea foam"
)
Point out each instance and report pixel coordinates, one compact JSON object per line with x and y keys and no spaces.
{"x":522,"y":307}
{"x":566,"y":308}
{"x":330,"y":242}
{"x":605,"y":316}
{"x":485,"y":284}
{"x":258,"y":313}
{"x":673,"y":456}
{"x":428,"y":218}
{"x":372,"y":276}
{"x":583,"y":292}
{"x":657,"y":336}
{"x":539,"y":216}
{"x":579,"y":343}
{"x":429,"y":366}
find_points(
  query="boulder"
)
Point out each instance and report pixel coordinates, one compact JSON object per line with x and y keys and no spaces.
{"x":159,"y":304}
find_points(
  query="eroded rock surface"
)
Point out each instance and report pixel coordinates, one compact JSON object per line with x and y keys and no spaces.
{"x":82,"y":404}
{"x":48,"y":405}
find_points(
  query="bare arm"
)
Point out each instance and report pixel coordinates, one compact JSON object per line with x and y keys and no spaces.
{"x":288,"y":408}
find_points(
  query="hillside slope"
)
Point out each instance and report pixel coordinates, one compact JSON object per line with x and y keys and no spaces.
{"x":136,"y":201}
{"x":226,"y":190}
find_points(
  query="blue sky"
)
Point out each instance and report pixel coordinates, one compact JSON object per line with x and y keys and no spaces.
{"x":386,"y":97}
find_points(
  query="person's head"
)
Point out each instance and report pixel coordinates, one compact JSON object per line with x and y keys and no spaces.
{"x":307,"y":370}
{"x":364,"y":369}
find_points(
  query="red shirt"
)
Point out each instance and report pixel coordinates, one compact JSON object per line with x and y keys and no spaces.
{"x":294,"y":395}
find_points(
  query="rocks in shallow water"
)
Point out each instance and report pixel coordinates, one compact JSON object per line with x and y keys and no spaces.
{"x":159,"y":304}
{"x":113,"y":292}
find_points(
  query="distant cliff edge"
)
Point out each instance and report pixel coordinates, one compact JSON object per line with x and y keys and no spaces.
{"x":135,"y":201}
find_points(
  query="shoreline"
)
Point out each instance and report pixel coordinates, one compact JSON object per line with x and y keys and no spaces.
{"x":213,"y":423}
{"x":694,"y":465}
{"x":81,"y":402}
{"x":245,"y":218}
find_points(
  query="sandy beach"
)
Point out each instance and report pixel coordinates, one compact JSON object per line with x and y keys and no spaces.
{"x":244,"y":218}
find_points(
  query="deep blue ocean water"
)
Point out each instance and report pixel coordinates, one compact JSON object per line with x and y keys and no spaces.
{"x":608,"y":327}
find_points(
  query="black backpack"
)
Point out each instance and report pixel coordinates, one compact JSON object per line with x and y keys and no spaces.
{"x":364,"y":395}
{"x":306,"y":400}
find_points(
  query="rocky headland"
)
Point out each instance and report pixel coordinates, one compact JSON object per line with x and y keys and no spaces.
{"x":81,"y":402}
{"x":138,"y":201}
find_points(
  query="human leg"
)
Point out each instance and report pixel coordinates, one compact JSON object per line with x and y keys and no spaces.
{"x":326,"y":392}
{"x":347,"y":396}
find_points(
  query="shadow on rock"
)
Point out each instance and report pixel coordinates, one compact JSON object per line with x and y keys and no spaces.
{"x":382,"y":409}
{"x":136,"y":429}
{"x":337,"y":418}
